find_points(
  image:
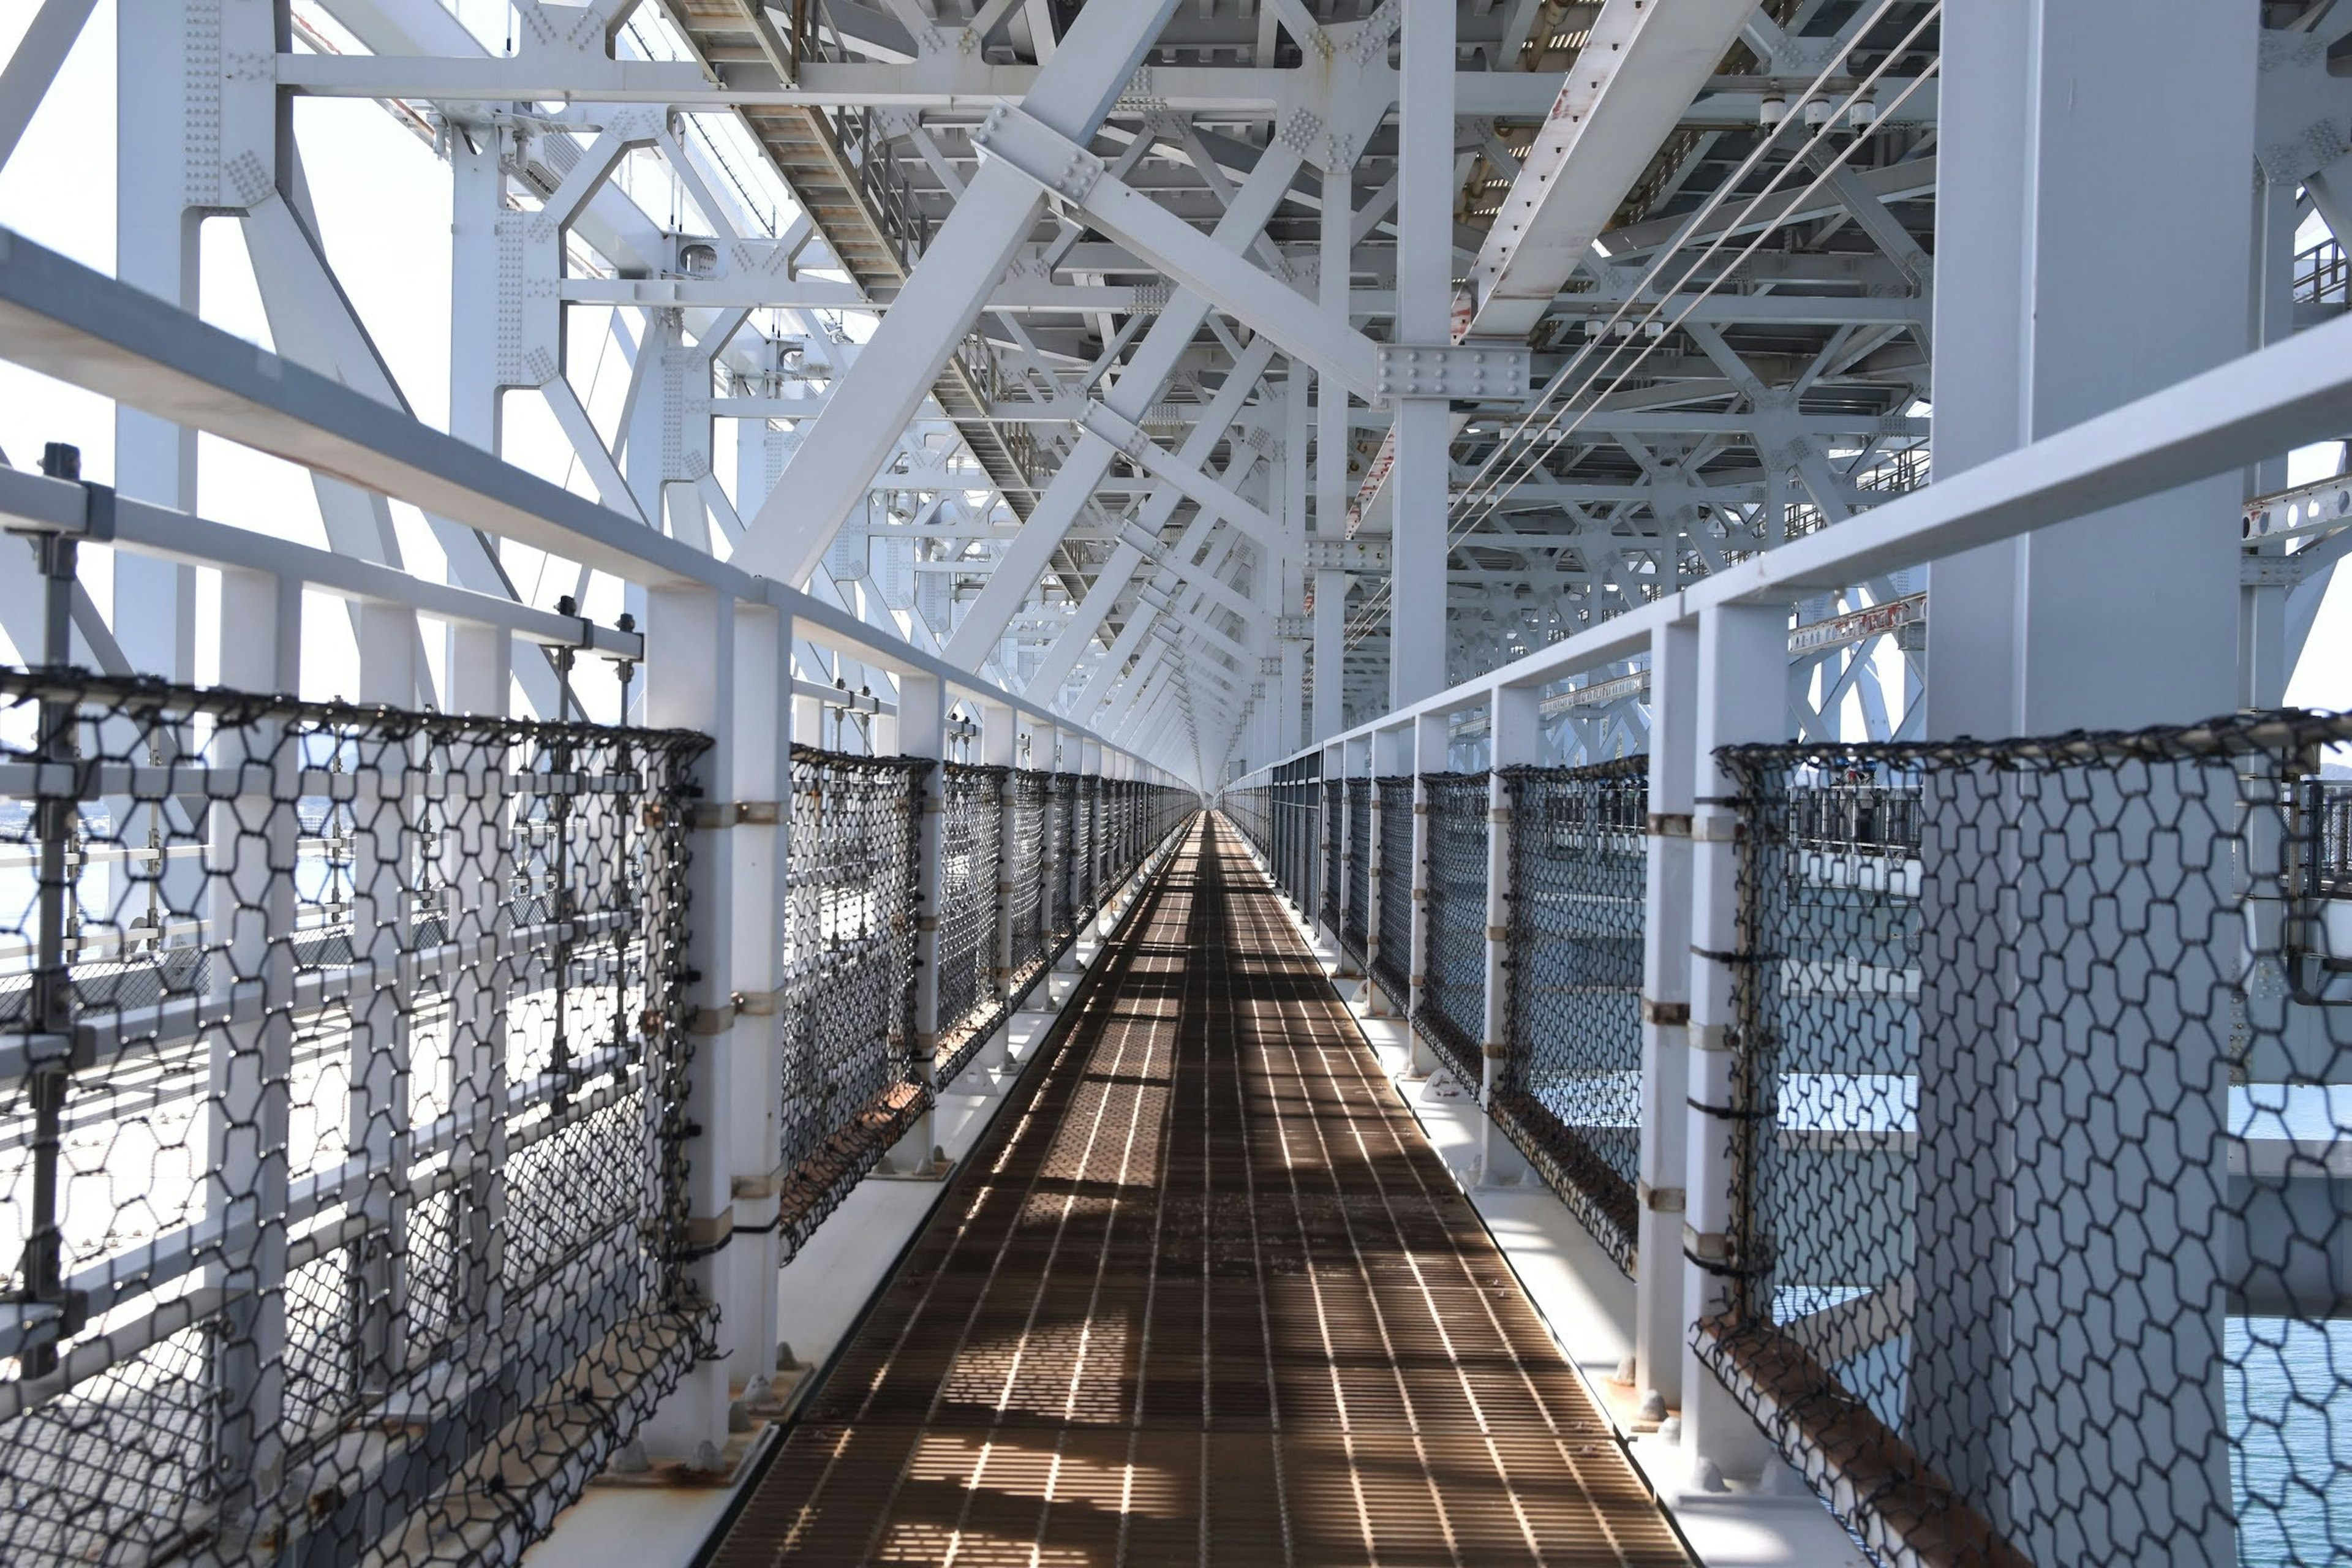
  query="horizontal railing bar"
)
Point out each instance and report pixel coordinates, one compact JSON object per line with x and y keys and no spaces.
{"x":75,"y":323}
{"x":2294,"y":393}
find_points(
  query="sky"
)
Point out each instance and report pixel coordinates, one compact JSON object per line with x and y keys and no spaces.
{"x":383,"y":202}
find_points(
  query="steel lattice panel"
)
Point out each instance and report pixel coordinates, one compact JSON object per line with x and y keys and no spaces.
{"x":1355,"y":933}
{"x":1452,"y":1015}
{"x":1392,"y":965}
{"x":1569,"y":1091}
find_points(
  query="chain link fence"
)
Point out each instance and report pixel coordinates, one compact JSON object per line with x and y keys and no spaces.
{"x":1027,"y":873}
{"x":343,"y":1075}
{"x":1333,"y":827}
{"x":1453,"y":1011}
{"x":1392,"y":965}
{"x":969,"y":1003}
{"x":2040,"y":1101}
{"x":1569,"y":1091}
{"x":1356,"y":920}
{"x":851,"y":1082}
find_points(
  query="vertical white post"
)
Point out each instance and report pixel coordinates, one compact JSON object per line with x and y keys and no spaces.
{"x":1424,"y":290}
{"x":476,"y":199}
{"x":156,"y":249}
{"x":1658,"y":1283}
{"x":690,"y":684}
{"x":2062,"y":145}
{"x":479,"y":840}
{"x":757,"y":842}
{"x":249,"y":926}
{"x":1331,"y":458}
{"x":1515,"y":725}
{"x":1743,"y":655}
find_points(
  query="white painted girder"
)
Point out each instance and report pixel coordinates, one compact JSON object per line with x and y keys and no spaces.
{"x":1640,"y":69}
{"x":1130,"y":396}
{"x":940,"y":301}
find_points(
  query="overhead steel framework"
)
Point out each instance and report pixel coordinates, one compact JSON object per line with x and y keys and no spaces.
{"x":1043,"y":413}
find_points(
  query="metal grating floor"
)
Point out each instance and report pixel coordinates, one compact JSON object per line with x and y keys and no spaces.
{"x":1202,"y":1295}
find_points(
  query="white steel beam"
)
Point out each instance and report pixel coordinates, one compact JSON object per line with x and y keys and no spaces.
{"x":65,"y":320}
{"x":950,"y":286}
{"x":1130,"y":398}
{"x":1195,"y":261}
{"x":1638,"y":71}
{"x":1426,"y":183}
{"x":47,"y":41}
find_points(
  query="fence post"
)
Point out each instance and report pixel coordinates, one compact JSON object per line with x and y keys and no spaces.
{"x":1741,"y":686}
{"x":482,"y":866}
{"x":252,"y":1061}
{"x":757,"y":843}
{"x":923,"y":732}
{"x":1658,"y":1284}
{"x":690,"y":684}
{"x":1515,"y":725}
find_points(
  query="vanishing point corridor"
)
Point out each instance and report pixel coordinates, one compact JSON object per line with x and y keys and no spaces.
{"x":1202,"y":1295}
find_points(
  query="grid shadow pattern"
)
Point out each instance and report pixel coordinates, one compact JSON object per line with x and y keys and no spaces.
{"x":1202,"y":1295}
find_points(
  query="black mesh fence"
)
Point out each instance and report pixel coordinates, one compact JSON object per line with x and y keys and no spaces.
{"x":1334,"y":876}
{"x":1024,"y":892}
{"x":1282,"y":820}
{"x":1391,"y":965}
{"x":2038,"y":1119}
{"x":342,"y":1079}
{"x":1299,"y":803}
{"x":1085,"y":845}
{"x":1453,"y":1012}
{"x":1061,"y":910}
{"x":1355,"y":923}
{"x":1569,"y":1091}
{"x":969,"y":1003}
{"x":851,"y":1083}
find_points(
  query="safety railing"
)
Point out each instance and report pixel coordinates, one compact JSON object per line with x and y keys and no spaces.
{"x":1355,"y":914}
{"x":1333,"y":827}
{"x":2034,"y":1135}
{"x":1568,"y":1093}
{"x":971,"y":1003}
{"x":852,"y":1081}
{"x":344,"y":1075}
{"x":1390,"y":962}
{"x":1028,"y":919}
{"x":1450,"y":1008}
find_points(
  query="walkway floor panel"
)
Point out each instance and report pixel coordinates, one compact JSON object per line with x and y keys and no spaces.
{"x":1204,"y":1296}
